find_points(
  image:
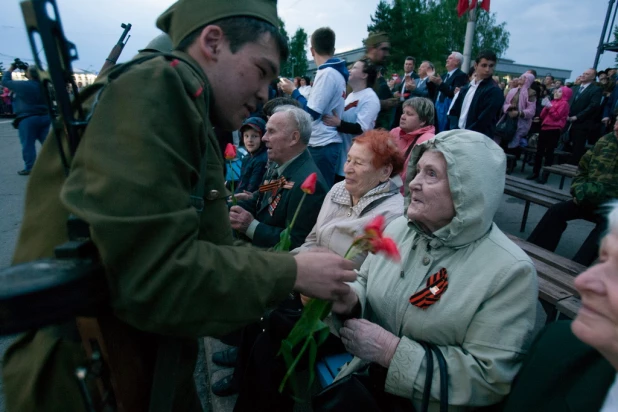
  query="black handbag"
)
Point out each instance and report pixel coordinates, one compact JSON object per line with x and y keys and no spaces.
{"x":360,"y":391}
{"x":506,"y":129}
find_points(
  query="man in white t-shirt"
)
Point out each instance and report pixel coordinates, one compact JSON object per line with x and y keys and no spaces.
{"x":327,"y":96}
{"x":362,"y":106}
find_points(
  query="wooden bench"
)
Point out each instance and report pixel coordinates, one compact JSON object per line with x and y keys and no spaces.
{"x":564,"y":170}
{"x":529,"y":152}
{"x":556,"y":280}
{"x":533,"y":193}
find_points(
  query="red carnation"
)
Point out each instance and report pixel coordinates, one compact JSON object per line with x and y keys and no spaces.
{"x":308,"y":185}
{"x":376,"y":226}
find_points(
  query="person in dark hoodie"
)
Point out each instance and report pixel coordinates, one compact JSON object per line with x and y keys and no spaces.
{"x":32,"y":116}
{"x":254,"y":164}
{"x":327,"y":97}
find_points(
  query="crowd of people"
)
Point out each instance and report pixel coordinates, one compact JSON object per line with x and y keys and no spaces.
{"x":417,"y":106}
{"x":187,"y":258}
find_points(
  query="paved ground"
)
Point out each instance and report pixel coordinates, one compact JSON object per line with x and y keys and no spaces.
{"x":12,"y":188}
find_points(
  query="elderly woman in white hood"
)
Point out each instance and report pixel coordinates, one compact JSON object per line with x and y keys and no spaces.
{"x":462,"y":285}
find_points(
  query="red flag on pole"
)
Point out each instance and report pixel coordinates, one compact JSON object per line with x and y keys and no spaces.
{"x":485,"y":5}
{"x":473,"y":4}
{"x":462,"y":7}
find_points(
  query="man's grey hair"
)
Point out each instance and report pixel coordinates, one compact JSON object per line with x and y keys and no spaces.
{"x":458,"y":56}
{"x":301,"y":119}
{"x":33,"y":72}
{"x":430,"y":64}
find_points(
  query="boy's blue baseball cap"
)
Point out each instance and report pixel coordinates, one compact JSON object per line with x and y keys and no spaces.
{"x":256,"y":123}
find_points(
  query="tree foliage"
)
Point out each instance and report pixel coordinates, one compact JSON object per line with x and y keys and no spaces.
{"x":296,"y":64}
{"x":298,"y":52}
{"x":430,"y":30}
{"x":285,"y":66}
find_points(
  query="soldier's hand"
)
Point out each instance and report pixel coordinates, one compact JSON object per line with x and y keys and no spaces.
{"x":323,"y":275}
{"x":240,"y":219}
{"x":345,"y":303}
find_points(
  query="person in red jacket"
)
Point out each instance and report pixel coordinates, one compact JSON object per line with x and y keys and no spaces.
{"x":553,"y":117}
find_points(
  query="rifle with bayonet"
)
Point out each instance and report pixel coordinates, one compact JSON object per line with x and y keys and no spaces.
{"x":115,"y":53}
{"x":73,"y":284}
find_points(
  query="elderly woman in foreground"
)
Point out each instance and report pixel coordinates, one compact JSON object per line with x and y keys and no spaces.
{"x":572,"y":365}
{"x":462,"y":284}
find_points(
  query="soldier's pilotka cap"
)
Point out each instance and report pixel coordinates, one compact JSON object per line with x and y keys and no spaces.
{"x":376,"y":38}
{"x":186,"y":16}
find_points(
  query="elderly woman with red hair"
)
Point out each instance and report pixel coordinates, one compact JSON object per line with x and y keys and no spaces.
{"x":366,"y":192}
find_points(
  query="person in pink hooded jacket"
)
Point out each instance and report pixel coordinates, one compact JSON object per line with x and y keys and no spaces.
{"x":416,"y":126}
{"x":518,"y":105}
{"x":553,"y":119}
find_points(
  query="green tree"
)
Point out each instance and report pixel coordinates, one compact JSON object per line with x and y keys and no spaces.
{"x":286,"y":67}
{"x":431,"y":30}
{"x":298,"y":52}
{"x":1,"y":70}
{"x":381,"y":21}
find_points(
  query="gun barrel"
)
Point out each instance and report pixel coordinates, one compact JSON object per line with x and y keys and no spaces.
{"x":127,"y":28}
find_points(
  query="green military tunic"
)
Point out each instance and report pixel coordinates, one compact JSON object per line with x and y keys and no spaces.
{"x":171,"y":271}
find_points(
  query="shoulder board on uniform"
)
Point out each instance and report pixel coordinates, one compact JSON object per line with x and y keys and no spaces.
{"x":194,"y":85}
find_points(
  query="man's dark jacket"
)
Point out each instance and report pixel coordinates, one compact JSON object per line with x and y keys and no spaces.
{"x":448,"y":86}
{"x":586,"y":105}
{"x":285,"y":202}
{"x":560,"y":373}
{"x":485,"y":107}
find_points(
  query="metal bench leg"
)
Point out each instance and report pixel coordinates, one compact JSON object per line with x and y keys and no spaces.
{"x":523,"y":162}
{"x":562,"y":182}
{"x":525,"y":217}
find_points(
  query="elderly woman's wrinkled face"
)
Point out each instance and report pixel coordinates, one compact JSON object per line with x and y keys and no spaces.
{"x":360,"y":174}
{"x":597,"y":320}
{"x":431,"y":203}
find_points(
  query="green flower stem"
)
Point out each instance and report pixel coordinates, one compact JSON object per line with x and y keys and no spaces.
{"x":234,"y":200}
{"x":296,"y":360}
{"x":307,"y":327}
{"x":300,"y":204}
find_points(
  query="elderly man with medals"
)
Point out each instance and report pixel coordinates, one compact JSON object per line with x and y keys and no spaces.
{"x":263,"y":217}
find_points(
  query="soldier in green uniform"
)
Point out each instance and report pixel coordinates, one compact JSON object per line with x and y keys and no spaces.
{"x":377,"y":50}
{"x":172,"y":271}
{"x":595,"y":184}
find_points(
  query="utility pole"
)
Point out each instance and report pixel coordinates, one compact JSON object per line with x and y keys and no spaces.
{"x":601,"y":47}
{"x":470,"y":27}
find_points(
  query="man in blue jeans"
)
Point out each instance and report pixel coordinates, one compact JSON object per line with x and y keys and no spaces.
{"x":32,"y":119}
{"x":327,"y":97}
